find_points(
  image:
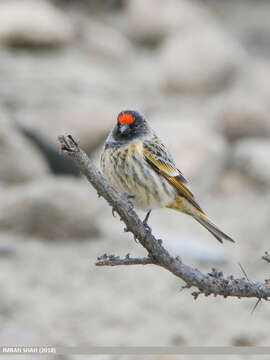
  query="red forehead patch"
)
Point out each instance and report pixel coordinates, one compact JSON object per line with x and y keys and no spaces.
{"x":126,"y":119}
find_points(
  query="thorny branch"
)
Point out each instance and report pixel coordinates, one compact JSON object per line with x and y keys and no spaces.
{"x":266,"y":257}
{"x":112,"y":260}
{"x":212,"y":283}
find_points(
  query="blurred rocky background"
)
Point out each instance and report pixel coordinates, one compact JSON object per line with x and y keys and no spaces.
{"x":199,"y":71}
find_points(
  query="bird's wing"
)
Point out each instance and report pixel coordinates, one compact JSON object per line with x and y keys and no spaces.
{"x":158,"y":157}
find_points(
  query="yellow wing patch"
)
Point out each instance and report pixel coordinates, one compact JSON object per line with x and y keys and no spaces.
{"x":165,"y":168}
{"x":181,"y":187}
{"x":172,"y":175}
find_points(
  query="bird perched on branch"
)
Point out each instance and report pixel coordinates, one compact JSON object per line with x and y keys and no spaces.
{"x":136,"y":162}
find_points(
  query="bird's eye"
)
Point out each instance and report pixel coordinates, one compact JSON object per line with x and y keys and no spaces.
{"x":134,"y":125}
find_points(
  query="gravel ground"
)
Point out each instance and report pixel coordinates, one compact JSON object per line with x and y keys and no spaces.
{"x":200,"y":73}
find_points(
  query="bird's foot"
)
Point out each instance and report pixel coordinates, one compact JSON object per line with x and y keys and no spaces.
{"x":128,"y":196}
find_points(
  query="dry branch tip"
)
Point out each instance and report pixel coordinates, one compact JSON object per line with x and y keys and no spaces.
{"x":207,"y":284}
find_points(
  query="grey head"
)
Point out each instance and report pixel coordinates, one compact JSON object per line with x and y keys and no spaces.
{"x":130,"y":126}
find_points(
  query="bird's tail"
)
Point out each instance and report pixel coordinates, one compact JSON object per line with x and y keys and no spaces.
{"x":212,"y":228}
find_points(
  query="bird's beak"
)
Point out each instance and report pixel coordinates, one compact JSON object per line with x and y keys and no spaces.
{"x":123,"y":128}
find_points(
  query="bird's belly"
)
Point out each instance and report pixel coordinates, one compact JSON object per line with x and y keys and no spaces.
{"x":148,"y":199}
{"x":148,"y":189}
{"x":145,"y":196}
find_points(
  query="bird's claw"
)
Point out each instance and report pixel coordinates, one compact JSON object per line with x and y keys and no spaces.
{"x":145,"y":223}
{"x":128,"y":196}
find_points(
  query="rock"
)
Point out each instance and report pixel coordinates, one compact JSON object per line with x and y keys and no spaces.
{"x":20,"y":161}
{"x":55,"y":208}
{"x":233,"y":182}
{"x":153,"y":20}
{"x":62,"y":79}
{"x":58,"y":163}
{"x":105,"y":41}
{"x":244,"y":116}
{"x":90,"y":123}
{"x":33,"y":23}
{"x":256,"y":83}
{"x":8,"y":245}
{"x":250,"y":23}
{"x":199,"y":59}
{"x":188,"y":246}
{"x":198,"y":152}
{"x":252,"y":158}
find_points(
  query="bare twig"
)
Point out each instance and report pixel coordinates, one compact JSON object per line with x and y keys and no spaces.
{"x":212,"y":283}
{"x":112,"y":260}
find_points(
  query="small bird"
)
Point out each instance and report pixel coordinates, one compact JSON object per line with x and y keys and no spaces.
{"x":136,"y":162}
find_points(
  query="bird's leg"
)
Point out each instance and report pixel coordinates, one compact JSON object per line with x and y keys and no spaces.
{"x":145,"y":222}
{"x":128,"y":197}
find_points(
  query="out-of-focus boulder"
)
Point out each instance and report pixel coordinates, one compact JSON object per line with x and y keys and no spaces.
{"x":200,"y":59}
{"x":186,"y":245}
{"x":252,"y":157}
{"x":20,"y":161}
{"x":153,"y":20}
{"x":244,"y":116}
{"x":90,"y":123}
{"x":233,"y":182}
{"x":55,"y":208}
{"x":105,"y":41}
{"x":257,"y":77}
{"x":198,"y":152}
{"x":33,"y":23}
{"x":58,"y":163}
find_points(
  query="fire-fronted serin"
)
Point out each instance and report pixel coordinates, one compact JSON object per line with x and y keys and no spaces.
{"x":136,"y":162}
